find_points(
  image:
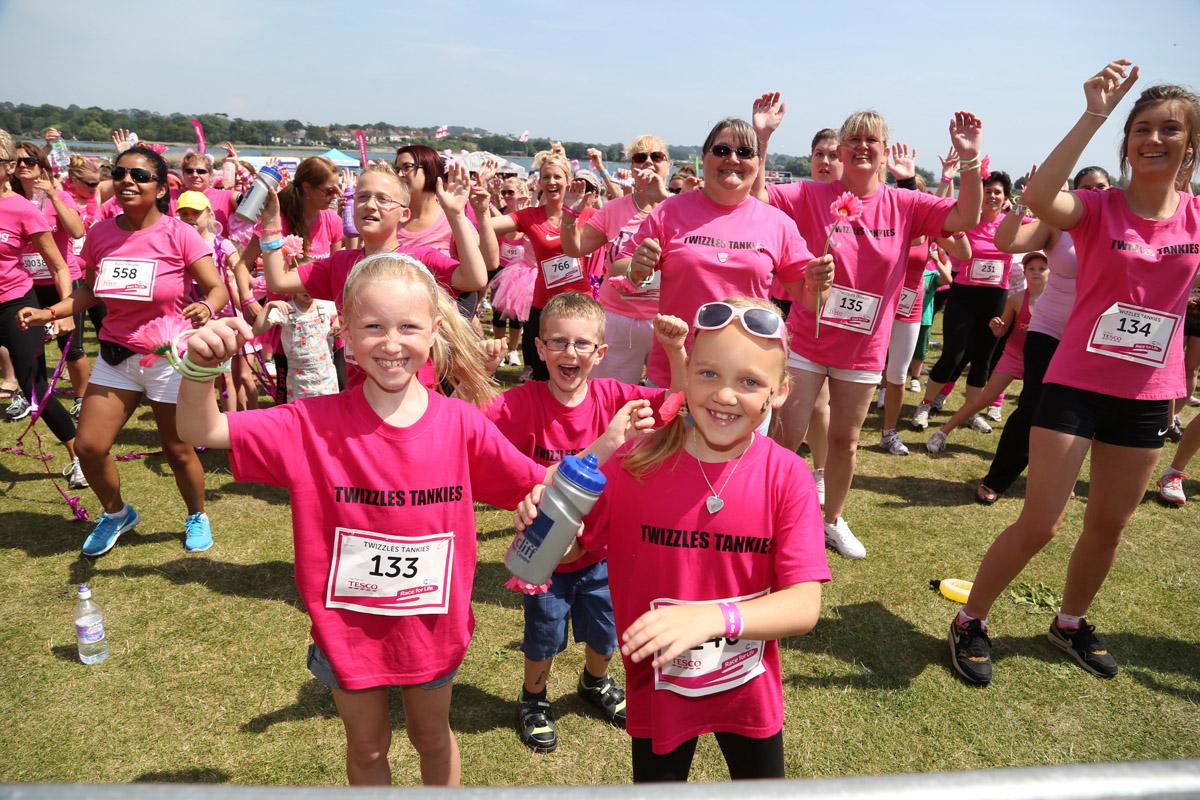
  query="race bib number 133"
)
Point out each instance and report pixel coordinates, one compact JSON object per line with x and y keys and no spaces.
{"x":399,"y":576}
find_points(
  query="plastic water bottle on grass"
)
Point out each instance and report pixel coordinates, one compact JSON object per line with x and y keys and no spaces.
{"x":89,"y":628}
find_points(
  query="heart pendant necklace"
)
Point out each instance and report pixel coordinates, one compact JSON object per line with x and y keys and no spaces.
{"x":713,"y":502}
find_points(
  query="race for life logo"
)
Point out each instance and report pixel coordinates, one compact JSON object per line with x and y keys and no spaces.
{"x":722,"y":257}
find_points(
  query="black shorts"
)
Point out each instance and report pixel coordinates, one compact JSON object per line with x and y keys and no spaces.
{"x":1191,"y":325}
{"x":1103,"y":418}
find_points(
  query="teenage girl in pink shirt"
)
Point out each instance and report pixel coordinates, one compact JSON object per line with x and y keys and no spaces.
{"x":383,"y":479}
{"x":715,"y":552}
{"x":1119,"y":363}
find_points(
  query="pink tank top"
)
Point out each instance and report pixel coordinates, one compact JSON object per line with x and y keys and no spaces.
{"x":1053,"y":308}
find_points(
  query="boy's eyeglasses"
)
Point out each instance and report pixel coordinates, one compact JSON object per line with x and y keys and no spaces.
{"x":582,"y":346}
{"x":382,"y":201}
{"x":758,"y":321}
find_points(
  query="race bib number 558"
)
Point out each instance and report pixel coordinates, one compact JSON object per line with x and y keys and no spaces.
{"x":398,"y":576}
{"x":126,"y":278}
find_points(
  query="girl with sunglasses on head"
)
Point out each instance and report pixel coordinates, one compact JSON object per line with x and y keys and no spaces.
{"x":142,"y":265}
{"x":33,"y":182}
{"x":752,"y":564}
{"x":629,"y":309}
{"x":25,"y":239}
{"x":718,"y":241}
{"x":1016,"y":234}
{"x":544,"y":224}
{"x":1118,"y":365}
{"x":851,"y":349}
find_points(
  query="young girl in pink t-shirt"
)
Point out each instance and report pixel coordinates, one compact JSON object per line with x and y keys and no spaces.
{"x":383,"y":480}
{"x":1119,"y":362}
{"x":715,"y":552}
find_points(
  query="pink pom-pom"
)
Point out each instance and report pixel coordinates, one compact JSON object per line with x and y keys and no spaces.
{"x":518,"y":585}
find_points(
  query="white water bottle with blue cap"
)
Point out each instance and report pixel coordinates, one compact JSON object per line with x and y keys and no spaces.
{"x":538,"y":549}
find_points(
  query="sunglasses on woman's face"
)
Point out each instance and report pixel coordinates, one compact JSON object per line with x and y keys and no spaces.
{"x":26,"y":161}
{"x":194,"y":171}
{"x":88,"y":184}
{"x":507,"y":193}
{"x":641,"y":158}
{"x":723,"y":150}
{"x":138,"y":174}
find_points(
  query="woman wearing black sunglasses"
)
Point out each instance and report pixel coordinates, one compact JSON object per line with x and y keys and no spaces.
{"x":142,"y":265}
{"x":720,"y":241}
{"x":197,"y":176}
{"x":629,"y":310}
{"x":25,"y":237}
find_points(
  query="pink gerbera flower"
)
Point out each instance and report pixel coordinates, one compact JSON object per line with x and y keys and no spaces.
{"x":158,"y":336}
{"x":847,"y":208}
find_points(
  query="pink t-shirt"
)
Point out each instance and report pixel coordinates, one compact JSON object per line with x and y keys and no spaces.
{"x":1053,"y":308}
{"x":557,"y":273}
{"x":541,"y":427}
{"x":912,"y":295}
{"x":1148,"y":265}
{"x":383,"y":523}
{"x":62,"y":240}
{"x":663,"y":544}
{"x":325,"y":231}
{"x":19,"y":220}
{"x":515,"y":249}
{"x":711,"y":251}
{"x":619,"y":220}
{"x":140,"y":275}
{"x":870,"y":262}
{"x":988,"y":265}
{"x":110,"y":209}
{"x":1012,"y":361}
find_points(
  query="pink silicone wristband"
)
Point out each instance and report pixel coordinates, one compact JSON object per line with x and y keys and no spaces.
{"x":733,"y":620}
{"x":571,"y":211}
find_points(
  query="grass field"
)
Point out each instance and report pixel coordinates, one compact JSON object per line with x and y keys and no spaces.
{"x":206,"y":681}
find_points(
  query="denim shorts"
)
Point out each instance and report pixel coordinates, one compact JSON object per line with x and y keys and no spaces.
{"x":583,"y":596}
{"x":322,"y":670}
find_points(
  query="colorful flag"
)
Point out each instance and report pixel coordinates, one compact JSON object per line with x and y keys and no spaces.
{"x":362,"y":147}
{"x":524,"y":137}
{"x":442,"y":132}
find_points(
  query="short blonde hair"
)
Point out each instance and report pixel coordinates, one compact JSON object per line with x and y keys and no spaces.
{"x":573,"y":305}
{"x":646,"y":143}
{"x":869,"y":121}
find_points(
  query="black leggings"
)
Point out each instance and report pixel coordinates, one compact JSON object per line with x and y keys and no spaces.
{"x":529,"y":353}
{"x":967,"y":335}
{"x":25,"y":348}
{"x":1012,"y":452}
{"x":746,"y":757}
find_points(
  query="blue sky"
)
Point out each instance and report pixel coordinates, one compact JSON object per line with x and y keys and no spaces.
{"x":610,"y":71}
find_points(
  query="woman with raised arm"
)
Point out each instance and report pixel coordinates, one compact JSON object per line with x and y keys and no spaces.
{"x":851,"y":348}
{"x":1119,"y":363}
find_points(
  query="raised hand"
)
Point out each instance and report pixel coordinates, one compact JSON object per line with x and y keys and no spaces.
{"x":230,"y":152}
{"x":52,"y":135}
{"x":903,"y":164}
{"x":966,"y":134}
{"x":650,"y":184}
{"x":949,"y":165}
{"x":768,"y":112}
{"x":1104,"y":90}
{"x":121,"y":141}
{"x":454,"y":192}
{"x":670,"y":331}
{"x":595,"y":160}
{"x":481,"y":197}
{"x":574,"y":197}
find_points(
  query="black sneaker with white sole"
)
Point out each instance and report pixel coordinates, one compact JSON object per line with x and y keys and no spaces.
{"x":1085,"y":647}
{"x":606,"y":696}
{"x":535,"y":723}
{"x":971,"y":651}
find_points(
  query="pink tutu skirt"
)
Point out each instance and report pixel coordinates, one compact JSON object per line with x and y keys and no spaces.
{"x":512,"y":290}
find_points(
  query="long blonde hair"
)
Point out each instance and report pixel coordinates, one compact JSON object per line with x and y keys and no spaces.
{"x":457,"y":353}
{"x":655,"y":449}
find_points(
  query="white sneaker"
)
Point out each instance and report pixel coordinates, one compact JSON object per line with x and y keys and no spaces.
{"x":1170,"y":487}
{"x":993,"y":413}
{"x":1194,"y":401}
{"x":915,"y":386}
{"x":979,"y":425}
{"x":74,"y":475}
{"x":920,"y":417}
{"x":819,"y":477}
{"x":842,"y":539}
{"x":937,"y":443}
{"x":891,"y":442}
{"x":879,"y":400}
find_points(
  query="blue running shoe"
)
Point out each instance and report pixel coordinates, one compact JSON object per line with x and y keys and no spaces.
{"x":197,"y":534}
{"x":107,"y":531}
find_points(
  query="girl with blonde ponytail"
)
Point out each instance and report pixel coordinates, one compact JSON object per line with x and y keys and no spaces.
{"x":715,"y":551}
{"x":383,"y":480}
